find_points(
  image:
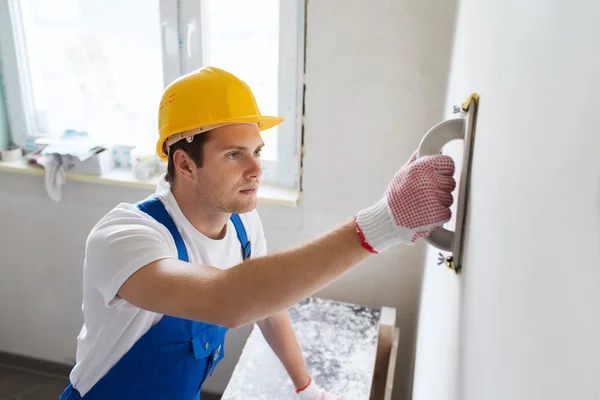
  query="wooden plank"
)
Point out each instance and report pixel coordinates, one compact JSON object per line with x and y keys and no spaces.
{"x":386,"y":327}
{"x":389,"y":382}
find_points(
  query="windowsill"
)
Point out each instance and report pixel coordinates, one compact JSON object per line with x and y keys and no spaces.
{"x":267,"y":194}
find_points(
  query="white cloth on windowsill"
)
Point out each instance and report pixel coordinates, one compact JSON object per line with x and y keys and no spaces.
{"x":55,"y":174}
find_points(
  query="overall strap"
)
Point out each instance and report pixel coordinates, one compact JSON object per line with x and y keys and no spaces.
{"x":242,"y":237}
{"x":156,"y":209}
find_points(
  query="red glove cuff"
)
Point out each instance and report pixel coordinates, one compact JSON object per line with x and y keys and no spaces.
{"x":307,"y":385}
{"x":363,"y":240}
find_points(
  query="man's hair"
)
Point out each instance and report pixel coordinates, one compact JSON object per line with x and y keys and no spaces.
{"x":195,"y":150}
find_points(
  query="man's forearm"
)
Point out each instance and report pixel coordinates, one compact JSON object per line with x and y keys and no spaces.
{"x":248,"y":292}
{"x":264,"y":286}
{"x":279,"y":334}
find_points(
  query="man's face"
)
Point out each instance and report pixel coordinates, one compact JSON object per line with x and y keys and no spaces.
{"x":231,"y":171}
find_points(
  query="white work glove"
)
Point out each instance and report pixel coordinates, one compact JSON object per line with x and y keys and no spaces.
{"x":416,"y":202}
{"x":313,"y":392}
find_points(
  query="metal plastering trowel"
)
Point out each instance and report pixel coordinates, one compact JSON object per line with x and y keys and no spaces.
{"x":462,"y":127}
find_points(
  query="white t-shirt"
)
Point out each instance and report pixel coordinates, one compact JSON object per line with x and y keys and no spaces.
{"x":123,"y":241}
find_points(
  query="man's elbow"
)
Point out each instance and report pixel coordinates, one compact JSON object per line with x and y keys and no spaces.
{"x":235,"y":324}
{"x":224,"y":313}
{"x":225,"y":305}
{"x":216,"y":316}
{"x":233,"y":320}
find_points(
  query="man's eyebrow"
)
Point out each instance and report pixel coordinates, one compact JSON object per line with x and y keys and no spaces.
{"x":241,"y":148}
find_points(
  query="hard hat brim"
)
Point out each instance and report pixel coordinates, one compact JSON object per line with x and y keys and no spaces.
{"x":263,"y":122}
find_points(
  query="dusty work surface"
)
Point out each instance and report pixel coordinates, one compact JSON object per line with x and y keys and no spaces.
{"x":339,"y":343}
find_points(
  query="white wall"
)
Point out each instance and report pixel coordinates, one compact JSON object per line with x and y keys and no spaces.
{"x":376,"y":82}
{"x":526,"y":307}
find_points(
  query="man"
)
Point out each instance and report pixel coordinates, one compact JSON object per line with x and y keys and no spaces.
{"x":165,"y":278}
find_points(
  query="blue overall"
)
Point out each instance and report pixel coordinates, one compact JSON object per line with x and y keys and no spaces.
{"x":172,"y":360}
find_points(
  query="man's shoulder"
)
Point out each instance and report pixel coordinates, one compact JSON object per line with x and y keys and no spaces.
{"x":121,"y":213}
{"x":123,"y":217}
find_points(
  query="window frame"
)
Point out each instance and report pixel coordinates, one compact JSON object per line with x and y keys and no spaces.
{"x":182,"y":52}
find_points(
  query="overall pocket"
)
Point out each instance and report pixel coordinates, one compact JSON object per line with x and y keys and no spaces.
{"x":208,"y":345}
{"x":177,"y":373}
{"x":181,"y":368}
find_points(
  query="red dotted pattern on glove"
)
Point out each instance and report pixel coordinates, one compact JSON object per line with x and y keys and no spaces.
{"x":419,"y":235}
{"x":417,"y":192}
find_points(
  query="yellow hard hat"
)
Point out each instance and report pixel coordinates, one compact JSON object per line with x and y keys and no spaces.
{"x":203,"y":100}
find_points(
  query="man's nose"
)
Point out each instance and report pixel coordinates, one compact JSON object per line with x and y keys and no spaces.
{"x":255,"y":168}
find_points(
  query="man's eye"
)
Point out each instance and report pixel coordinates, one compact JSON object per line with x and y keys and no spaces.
{"x":233,"y":156}
{"x":257,"y":153}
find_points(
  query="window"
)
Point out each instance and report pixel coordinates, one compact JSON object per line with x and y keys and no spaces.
{"x":101,"y":67}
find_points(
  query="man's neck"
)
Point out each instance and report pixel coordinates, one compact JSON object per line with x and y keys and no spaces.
{"x":210,"y":222}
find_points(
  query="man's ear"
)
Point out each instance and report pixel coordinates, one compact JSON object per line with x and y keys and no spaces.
{"x":184,"y":165}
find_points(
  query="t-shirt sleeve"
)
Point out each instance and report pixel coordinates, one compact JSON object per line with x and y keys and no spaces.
{"x":121,"y":243}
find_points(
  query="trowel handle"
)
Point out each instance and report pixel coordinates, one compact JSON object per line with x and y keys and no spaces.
{"x":431,"y":144}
